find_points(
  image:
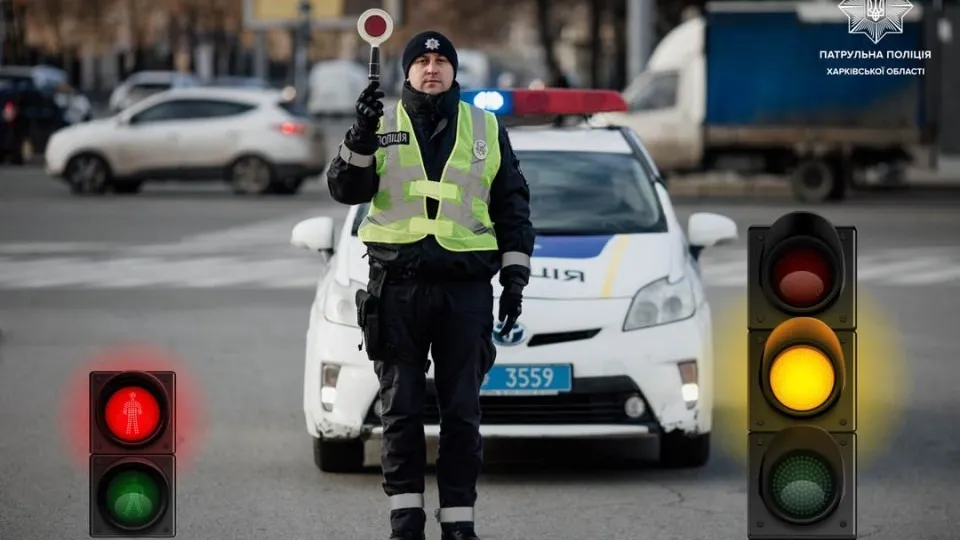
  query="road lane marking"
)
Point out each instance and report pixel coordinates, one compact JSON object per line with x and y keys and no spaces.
{"x":294,"y":271}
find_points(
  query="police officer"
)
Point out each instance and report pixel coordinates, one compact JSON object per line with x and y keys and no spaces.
{"x":449,"y":208}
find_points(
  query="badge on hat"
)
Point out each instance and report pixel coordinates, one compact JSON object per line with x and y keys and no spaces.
{"x":480,"y":149}
{"x":432,"y":44}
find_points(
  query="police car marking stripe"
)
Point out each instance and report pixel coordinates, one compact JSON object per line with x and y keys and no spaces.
{"x":619,"y":248}
{"x":571,"y":247}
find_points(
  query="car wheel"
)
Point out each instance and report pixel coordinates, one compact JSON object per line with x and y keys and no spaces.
{"x":338,"y":456}
{"x":88,"y":174}
{"x":288,"y":186}
{"x":681,"y":451}
{"x":251,"y":175}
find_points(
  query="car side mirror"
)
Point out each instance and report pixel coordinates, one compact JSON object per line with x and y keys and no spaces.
{"x":708,"y":230}
{"x":314,"y":234}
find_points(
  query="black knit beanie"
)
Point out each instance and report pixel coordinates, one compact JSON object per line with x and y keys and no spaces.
{"x":426,"y":42}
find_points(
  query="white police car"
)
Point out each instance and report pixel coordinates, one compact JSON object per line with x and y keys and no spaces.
{"x":615,"y":339}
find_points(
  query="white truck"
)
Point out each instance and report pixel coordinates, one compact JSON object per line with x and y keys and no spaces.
{"x":745,"y":88}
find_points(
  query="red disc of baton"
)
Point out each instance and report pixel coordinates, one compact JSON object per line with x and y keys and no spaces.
{"x":375,"y":26}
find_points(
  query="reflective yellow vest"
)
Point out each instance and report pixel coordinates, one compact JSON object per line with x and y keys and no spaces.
{"x":398,"y":212}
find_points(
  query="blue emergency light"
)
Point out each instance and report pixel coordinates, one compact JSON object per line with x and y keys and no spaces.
{"x":495,"y":101}
{"x":548,"y":101}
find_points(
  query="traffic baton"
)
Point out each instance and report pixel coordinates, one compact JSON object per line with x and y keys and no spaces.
{"x":375,"y":27}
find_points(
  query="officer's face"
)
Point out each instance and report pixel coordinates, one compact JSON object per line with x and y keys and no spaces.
{"x":431,"y":74}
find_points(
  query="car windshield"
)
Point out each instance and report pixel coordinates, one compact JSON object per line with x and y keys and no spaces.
{"x":586,"y":193}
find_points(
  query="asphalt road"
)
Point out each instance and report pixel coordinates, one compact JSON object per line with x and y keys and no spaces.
{"x":208,"y":277}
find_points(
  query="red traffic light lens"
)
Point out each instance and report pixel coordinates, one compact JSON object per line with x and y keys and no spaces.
{"x":132,"y":414}
{"x":802,"y":277}
{"x":375,"y":26}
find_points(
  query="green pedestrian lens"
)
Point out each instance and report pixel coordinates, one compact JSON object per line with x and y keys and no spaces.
{"x":133,"y":497}
{"x":803,"y":486}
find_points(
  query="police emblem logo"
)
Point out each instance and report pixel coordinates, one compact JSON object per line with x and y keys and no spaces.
{"x":432,"y":44}
{"x":480,"y":149}
{"x":875,"y":18}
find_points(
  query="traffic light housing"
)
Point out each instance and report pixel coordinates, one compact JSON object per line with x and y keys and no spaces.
{"x":132,"y":461}
{"x":802,"y":389}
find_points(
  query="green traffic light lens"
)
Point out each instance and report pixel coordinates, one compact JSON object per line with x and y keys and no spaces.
{"x":803,"y":486}
{"x":133,"y":498}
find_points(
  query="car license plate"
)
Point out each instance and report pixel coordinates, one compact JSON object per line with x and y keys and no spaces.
{"x":528,"y":380}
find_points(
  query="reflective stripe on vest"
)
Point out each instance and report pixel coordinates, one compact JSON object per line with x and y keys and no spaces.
{"x":398,"y":212}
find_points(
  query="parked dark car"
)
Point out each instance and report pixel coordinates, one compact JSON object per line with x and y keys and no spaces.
{"x":53,"y":81}
{"x":28,"y":117}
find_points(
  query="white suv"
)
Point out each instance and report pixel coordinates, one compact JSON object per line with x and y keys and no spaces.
{"x":258,"y":142}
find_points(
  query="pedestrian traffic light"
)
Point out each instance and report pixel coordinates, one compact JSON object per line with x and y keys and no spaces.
{"x":801,"y":292}
{"x":132,"y":446}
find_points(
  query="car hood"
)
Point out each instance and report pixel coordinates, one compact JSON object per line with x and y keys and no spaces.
{"x":578,"y":267}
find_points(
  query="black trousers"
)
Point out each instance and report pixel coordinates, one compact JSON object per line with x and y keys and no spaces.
{"x":454,"y":323}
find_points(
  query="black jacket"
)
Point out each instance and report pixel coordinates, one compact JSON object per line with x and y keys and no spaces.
{"x":509,"y":196}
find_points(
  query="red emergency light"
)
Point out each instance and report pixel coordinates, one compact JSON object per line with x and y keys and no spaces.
{"x":567,"y":101}
{"x":546,"y":102}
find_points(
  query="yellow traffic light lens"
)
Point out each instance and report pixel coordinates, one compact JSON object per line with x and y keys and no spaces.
{"x":802,"y":378}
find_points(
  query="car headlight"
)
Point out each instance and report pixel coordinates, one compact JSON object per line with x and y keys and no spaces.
{"x":660,"y":302}
{"x":340,"y":303}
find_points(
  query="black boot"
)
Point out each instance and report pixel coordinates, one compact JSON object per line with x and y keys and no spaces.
{"x":408,"y":524}
{"x":458,"y":531}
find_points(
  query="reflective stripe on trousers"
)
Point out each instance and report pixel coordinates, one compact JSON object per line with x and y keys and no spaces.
{"x":458,"y":514}
{"x":465,"y":185}
{"x":406,"y":500}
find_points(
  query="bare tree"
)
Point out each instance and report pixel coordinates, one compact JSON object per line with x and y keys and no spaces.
{"x":211,"y":22}
{"x":51,"y":16}
{"x":90,"y":17}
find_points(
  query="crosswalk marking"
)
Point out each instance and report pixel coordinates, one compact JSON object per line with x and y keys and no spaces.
{"x":28,"y":248}
{"x":301,"y":271}
{"x":72,"y":272}
{"x":258,"y":256}
{"x":944,"y":274}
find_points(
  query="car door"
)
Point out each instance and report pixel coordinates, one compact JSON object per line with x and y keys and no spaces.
{"x":147,"y":143}
{"x":208,"y":139}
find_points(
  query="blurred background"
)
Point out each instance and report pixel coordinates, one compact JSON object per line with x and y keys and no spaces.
{"x":100,"y":43}
{"x":101,"y":56}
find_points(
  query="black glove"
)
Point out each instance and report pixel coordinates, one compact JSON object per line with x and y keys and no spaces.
{"x":510,"y":302}
{"x":369,"y":109}
{"x":513,"y":278}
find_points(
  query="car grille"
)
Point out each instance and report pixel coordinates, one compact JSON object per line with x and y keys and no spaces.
{"x":597,"y":400}
{"x":562,"y":337}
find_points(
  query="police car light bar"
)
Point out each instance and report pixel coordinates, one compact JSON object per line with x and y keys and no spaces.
{"x":549,"y":101}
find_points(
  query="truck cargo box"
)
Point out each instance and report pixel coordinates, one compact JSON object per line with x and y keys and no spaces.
{"x":765,"y":70}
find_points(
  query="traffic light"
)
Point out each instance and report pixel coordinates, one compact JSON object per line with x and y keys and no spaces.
{"x":802,"y":297}
{"x":132,"y":462}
